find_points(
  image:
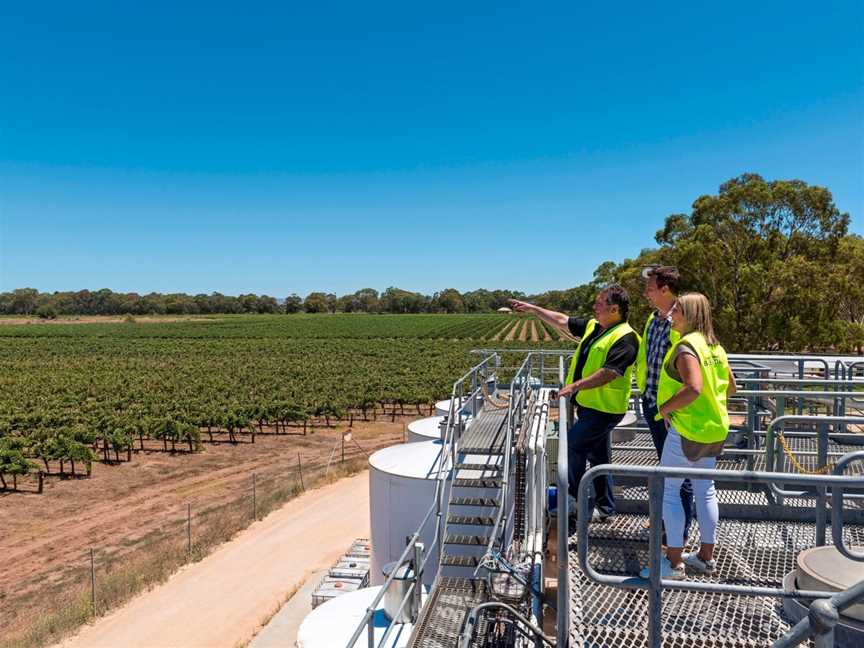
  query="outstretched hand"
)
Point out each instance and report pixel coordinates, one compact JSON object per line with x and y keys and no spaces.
{"x":519,"y":306}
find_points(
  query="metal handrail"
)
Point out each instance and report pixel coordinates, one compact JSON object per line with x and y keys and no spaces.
{"x":454,"y":423}
{"x":515,"y":405}
{"x":822,"y":616}
{"x":821,"y":436}
{"x":800,"y":359}
{"x":654,"y":584}
{"x":837,"y":505}
{"x":563,"y":483}
{"x":803,"y":381}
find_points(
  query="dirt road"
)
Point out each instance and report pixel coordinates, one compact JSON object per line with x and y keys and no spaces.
{"x":221,"y":600}
{"x":124,"y":509}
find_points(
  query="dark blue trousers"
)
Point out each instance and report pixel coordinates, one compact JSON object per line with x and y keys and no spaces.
{"x":658,"y":435}
{"x":589,"y":440}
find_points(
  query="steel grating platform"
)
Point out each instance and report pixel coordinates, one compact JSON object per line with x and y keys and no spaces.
{"x":440,"y":621}
{"x":486,"y":434}
{"x":755,"y":553}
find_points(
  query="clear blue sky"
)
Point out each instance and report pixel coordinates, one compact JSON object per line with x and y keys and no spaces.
{"x":282,"y":148}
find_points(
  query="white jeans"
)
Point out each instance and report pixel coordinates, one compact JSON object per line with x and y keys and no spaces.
{"x":703,"y":489}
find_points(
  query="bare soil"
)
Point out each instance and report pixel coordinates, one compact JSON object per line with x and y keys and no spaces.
{"x":45,"y":539}
{"x":512,"y":332}
{"x":221,"y":601}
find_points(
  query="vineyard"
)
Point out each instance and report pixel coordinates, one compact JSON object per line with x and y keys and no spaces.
{"x":71,"y":394}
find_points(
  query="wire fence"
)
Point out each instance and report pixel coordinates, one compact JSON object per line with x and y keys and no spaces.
{"x":42,"y":610}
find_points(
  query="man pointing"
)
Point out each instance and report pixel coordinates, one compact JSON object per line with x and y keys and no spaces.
{"x":599,"y":380}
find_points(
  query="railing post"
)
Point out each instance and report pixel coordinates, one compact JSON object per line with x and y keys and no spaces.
{"x":370,"y":628}
{"x":418,"y":582}
{"x":655,"y":591}
{"x":473,"y":394}
{"x":821,"y":498}
{"x":800,"y":408}
{"x":542,"y":367}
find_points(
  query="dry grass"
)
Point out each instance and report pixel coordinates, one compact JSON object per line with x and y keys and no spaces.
{"x":118,"y":581}
{"x":273,"y":612}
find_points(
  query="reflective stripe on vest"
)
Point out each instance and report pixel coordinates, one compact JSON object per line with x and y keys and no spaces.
{"x":706,"y":419}
{"x":642,"y":356}
{"x":612,"y":397}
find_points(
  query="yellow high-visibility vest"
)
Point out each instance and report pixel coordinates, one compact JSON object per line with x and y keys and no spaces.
{"x":612,"y":397}
{"x":706,"y":419}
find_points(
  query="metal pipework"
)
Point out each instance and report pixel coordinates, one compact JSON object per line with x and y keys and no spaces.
{"x":470,"y":622}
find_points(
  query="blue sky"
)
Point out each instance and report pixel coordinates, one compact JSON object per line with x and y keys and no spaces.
{"x":278,"y":148}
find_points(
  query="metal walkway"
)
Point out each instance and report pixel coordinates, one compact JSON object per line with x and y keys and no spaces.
{"x":441,"y":620}
{"x":748,"y":553}
{"x":752,"y":549}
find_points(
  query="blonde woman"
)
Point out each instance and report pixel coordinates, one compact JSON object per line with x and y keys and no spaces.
{"x":694,"y":384}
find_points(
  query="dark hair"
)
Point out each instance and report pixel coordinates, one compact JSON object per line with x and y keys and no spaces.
{"x":666,"y":276}
{"x":616,"y":295}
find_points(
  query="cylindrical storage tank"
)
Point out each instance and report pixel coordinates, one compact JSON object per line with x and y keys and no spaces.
{"x":425,"y":429}
{"x":331,"y":624}
{"x":402,"y":481}
{"x":442,"y":408}
{"x":825,"y":569}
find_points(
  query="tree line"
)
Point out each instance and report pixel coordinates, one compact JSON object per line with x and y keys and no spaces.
{"x":775,"y":258}
{"x":31,"y":302}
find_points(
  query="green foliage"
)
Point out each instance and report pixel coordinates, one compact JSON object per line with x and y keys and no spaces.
{"x":766,"y":255}
{"x":69,"y":389}
{"x":46,"y":312}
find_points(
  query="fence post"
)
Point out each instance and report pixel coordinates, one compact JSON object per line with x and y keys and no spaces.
{"x":300,"y":468}
{"x":189,"y":528}
{"x":254,"y":499}
{"x":92,"y":582}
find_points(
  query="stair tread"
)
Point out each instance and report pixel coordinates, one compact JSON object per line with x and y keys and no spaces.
{"x":471,"y":520}
{"x":452,"y":560}
{"x":479,"y":466}
{"x":477,"y":482}
{"x":483,"y":451}
{"x":465,"y":539}
{"x":474,"y":501}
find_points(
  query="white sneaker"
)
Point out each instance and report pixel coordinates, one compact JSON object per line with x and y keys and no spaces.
{"x":667,"y":571}
{"x":695,"y":563}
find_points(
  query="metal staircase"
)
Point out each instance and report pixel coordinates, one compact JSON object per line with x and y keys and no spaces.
{"x":476,"y":494}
